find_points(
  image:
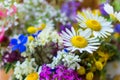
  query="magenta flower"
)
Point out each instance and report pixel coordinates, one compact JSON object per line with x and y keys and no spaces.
{"x":3,"y":38}
{"x":59,"y":73}
{"x":45,"y":73}
{"x":63,"y":73}
{"x":2,"y":14}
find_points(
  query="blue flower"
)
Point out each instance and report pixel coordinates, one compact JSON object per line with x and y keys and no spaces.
{"x":117,"y":28}
{"x":36,"y":34}
{"x":65,"y":50}
{"x":19,"y":44}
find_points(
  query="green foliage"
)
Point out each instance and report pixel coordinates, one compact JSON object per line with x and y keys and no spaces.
{"x":116,"y":5}
{"x":8,"y":67}
{"x":102,"y":1}
{"x":112,"y":50}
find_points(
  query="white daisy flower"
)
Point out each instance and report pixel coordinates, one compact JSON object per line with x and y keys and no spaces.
{"x":100,"y":27}
{"x":81,"y":41}
{"x":117,"y":16}
{"x":110,"y":10}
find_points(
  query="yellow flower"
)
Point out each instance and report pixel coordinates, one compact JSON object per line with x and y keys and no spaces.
{"x":31,"y":29}
{"x":42,"y":26}
{"x":99,"y":65}
{"x":30,"y":38}
{"x":89,"y":76}
{"x":103,"y":55}
{"x":81,"y":70}
{"x":32,"y":76}
{"x":116,"y":35}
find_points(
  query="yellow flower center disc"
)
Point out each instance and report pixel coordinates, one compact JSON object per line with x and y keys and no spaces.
{"x":79,"y":41}
{"x":94,"y":25}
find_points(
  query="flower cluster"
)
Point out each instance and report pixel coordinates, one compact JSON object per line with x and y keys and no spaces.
{"x":59,"y":39}
{"x":60,"y":72}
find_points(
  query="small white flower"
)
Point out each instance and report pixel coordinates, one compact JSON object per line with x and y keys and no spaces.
{"x":69,"y":60}
{"x":23,"y":69}
{"x":44,"y":37}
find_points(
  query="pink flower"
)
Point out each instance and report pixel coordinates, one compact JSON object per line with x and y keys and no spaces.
{"x":12,"y":11}
{"x":2,"y":14}
{"x":2,"y":35}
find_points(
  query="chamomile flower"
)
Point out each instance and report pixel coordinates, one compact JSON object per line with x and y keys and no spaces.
{"x":100,"y":27}
{"x":110,"y":10}
{"x":81,"y":41}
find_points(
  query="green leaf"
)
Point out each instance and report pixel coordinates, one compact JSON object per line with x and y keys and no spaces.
{"x":8,"y":67}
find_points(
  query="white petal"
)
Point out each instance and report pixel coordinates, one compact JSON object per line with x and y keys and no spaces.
{"x":86,"y":33}
{"x":64,"y":33}
{"x":73,"y":31}
{"x":108,"y":8}
{"x":69,"y":32}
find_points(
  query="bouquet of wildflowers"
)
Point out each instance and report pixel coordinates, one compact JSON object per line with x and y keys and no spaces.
{"x":59,"y":40}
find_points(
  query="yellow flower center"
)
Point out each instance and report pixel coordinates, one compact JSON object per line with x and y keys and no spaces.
{"x":93,"y":24}
{"x":32,"y":76}
{"x":79,"y":41}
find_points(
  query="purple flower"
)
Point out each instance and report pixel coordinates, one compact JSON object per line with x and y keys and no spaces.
{"x":45,"y":73}
{"x":103,"y":12}
{"x":117,"y":28}
{"x":11,"y":57}
{"x":70,"y":9}
{"x":62,"y":27}
{"x":63,"y":73}
{"x":19,"y":44}
{"x":59,"y":73}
